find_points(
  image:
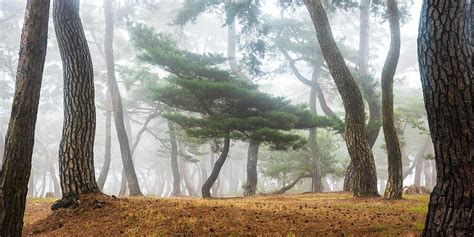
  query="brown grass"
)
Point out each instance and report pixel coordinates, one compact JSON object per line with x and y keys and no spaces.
{"x":289,"y":215}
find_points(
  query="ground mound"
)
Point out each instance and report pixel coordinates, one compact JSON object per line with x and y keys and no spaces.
{"x":307,"y":214}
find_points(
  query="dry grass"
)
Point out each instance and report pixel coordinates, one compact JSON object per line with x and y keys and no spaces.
{"x":306,"y":214}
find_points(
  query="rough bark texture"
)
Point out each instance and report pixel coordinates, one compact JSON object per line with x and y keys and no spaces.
{"x":394,"y":188}
{"x":76,"y":150}
{"x":206,"y":187}
{"x":124,"y":142}
{"x":316,"y":185}
{"x":108,"y":144}
{"x":365,"y":182}
{"x":445,"y":56}
{"x":367,"y":87}
{"x":252,"y":175}
{"x":19,"y":144}
{"x":174,"y":160}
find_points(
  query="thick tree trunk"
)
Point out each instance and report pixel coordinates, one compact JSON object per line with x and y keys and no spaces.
{"x":316,"y":185}
{"x":174,"y":160}
{"x":124,"y":142}
{"x":394,"y":187}
{"x":108,"y":144}
{"x":365,"y":182}
{"x":19,"y":142}
{"x":252,"y":174}
{"x":445,"y":56}
{"x":206,"y":187}
{"x":76,"y":150}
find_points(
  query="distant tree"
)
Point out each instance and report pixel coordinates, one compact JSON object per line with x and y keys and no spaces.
{"x":117,"y":107}
{"x":20,"y":137}
{"x":224,"y":107}
{"x":394,"y":187}
{"x":365,"y":183}
{"x":174,"y":159}
{"x":445,"y":58}
{"x":289,"y":167}
{"x":76,"y":150}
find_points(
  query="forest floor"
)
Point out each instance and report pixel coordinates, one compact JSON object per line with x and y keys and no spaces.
{"x":285,"y":215}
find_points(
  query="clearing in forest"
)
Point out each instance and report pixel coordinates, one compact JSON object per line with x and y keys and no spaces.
{"x":286,"y":215}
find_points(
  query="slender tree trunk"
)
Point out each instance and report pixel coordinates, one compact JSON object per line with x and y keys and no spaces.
{"x":252,"y":174}
{"x":108,"y":144}
{"x":445,"y":59}
{"x":76,"y":150}
{"x":203,"y":174}
{"x":420,"y":157}
{"x":19,"y":142}
{"x":206,"y":187}
{"x":184,"y":171}
{"x":394,"y":187}
{"x":174,"y":160}
{"x":316,"y":185}
{"x":373,"y":103}
{"x":51,"y":169}
{"x":124,"y":142}
{"x":217,"y":186}
{"x":31,"y":185}
{"x":365,"y":182}
{"x":2,"y":147}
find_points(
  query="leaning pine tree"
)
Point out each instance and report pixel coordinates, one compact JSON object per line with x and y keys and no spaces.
{"x":217,"y":106}
{"x":362,"y":158}
{"x":19,"y":142}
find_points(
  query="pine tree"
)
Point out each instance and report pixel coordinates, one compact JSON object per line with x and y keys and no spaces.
{"x":218,"y":105}
{"x":20,"y":137}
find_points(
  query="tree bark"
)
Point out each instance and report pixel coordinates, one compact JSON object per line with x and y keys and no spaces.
{"x":19,"y":142}
{"x":216,"y":188}
{"x":174,"y":160}
{"x":365,"y":182}
{"x":124,"y":142}
{"x":206,"y":187}
{"x":76,"y":149}
{"x":250,"y":188}
{"x":445,"y":56}
{"x":394,"y":188}
{"x":108,"y":144}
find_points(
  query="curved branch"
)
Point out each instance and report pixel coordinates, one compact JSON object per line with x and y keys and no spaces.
{"x":291,"y":185}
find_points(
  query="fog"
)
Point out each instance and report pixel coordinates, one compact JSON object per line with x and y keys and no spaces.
{"x":148,"y":130}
